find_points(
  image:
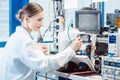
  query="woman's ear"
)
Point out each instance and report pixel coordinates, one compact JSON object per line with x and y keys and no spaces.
{"x":26,"y":18}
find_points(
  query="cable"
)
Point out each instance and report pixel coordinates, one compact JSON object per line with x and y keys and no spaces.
{"x":71,"y":22}
{"x":46,"y":77}
{"x":39,"y":38}
{"x":48,"y":28}
{"x":69,"y":43}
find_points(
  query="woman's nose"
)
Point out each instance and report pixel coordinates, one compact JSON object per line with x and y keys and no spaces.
{"x":41,"y":23}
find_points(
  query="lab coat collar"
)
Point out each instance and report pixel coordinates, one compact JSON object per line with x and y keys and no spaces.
{"x":22,"y":29}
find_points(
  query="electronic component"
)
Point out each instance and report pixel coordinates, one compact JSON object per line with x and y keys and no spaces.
{"x":110,"y":68}
{"x":114,"y":44}
{"x":85,"y":38}
{"x":111,"y":19}
{"x":88,"y":21}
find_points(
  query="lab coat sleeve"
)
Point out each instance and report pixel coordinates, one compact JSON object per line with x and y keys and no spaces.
{"x":37,"y":60}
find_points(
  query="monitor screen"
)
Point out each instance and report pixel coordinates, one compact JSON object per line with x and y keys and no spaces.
{"x":88,"y":20}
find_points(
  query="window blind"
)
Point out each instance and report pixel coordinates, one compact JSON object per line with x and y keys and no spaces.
{"x":4,"y":20}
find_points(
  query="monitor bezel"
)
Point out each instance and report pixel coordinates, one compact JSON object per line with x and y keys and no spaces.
{"x":96,"y":12}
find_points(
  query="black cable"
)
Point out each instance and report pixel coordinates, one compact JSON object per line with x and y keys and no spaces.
{"x":46,"y":77}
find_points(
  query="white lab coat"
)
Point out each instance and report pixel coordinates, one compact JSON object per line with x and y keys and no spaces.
{"x":23,"y":57}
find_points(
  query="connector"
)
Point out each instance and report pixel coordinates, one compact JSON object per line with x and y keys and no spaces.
{"x":58,"y":0}
{"x":60,"y":19}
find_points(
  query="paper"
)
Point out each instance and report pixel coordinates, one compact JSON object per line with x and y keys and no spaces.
{"x":70,"y":4}
{"x":93,"y":1}
{"x":81,"y":58}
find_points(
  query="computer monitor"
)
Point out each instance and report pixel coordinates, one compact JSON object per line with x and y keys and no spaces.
{"x":88,"y":20}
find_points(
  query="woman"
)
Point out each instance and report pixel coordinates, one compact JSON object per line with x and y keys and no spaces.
{"x":23,"y":57}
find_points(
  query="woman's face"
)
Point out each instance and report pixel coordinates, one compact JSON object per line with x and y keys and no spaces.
{"x":35,"y":22}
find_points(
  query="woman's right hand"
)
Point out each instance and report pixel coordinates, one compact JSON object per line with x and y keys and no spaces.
{"x":77,"y":43}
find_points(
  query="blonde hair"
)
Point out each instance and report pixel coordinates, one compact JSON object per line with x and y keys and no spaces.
{"x":30,"y":10}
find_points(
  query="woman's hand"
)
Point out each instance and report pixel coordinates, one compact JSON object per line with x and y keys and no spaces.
{"x":43,"y":48}
{"x":77,"y":43}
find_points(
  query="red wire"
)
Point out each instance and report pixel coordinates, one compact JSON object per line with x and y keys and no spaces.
{"x":83,"y":72}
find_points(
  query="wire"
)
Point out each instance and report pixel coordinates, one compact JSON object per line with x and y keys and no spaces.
{"x":48,"y":28}
{"x":71,"y":22}
{"x":46,"y":77}
{"x":80,"y":73}
{"x":69,"y":43}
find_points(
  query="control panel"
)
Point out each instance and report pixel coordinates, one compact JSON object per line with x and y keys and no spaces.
{"x":110,"y":68}
{"x":114,"y":44}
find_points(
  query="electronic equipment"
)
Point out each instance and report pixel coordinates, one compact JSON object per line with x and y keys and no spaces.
{"x":77,"y":64}
{"x":114,"y":44}
{"x":85,"y":54}
{"x":72,"y":67}
{"x":111,"y":19}
{"x":88,"y":20}
{"x":85,"y":59}
{"x":98,"y":64}
{"x":110,"y":68}
{"x":87,"y":46}
{"x":85,"y":38}
{"x":101,"y":48}
{"x":88,"y":40}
